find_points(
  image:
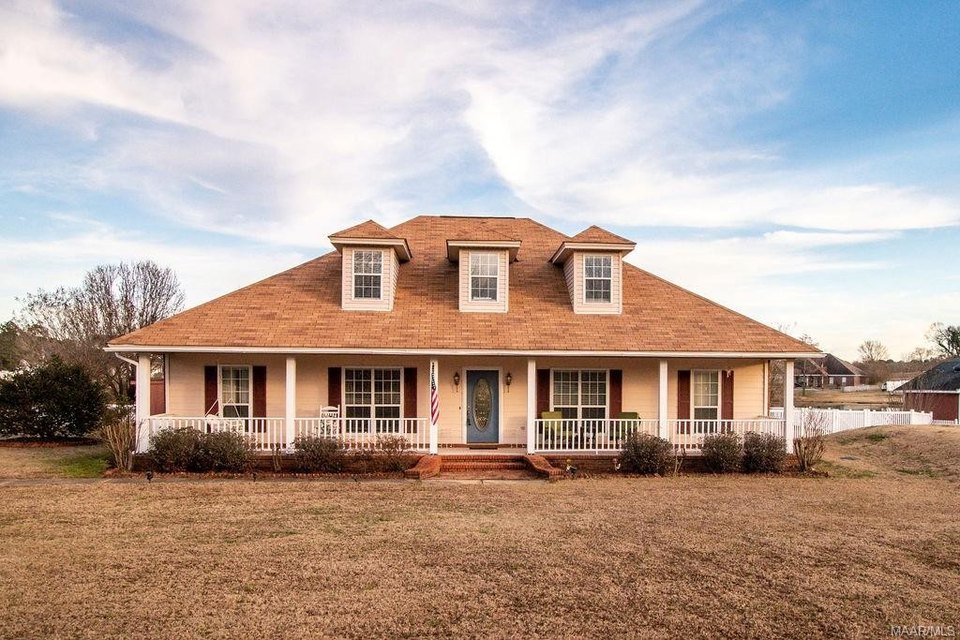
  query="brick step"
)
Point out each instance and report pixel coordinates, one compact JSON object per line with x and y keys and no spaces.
{"x":490,"y":474}
{"x":482,"y":466}
{"x":482,"y":458}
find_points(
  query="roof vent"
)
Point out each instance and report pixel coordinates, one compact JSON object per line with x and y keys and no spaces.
{"x":956,"y":368}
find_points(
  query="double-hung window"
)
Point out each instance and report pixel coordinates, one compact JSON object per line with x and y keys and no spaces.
{"x":372,"y":393}
{"x":484,"y":277}
{"x":706,"y":395}
{"x":367,"y":274}
{"x":597,"y":278}
{"x":235,"y":392}
{"x":580,"y":394}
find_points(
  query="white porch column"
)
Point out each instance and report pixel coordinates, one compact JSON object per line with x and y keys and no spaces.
{"x":290,"y":413}
{"x":434,"y":387}
{"x":143,"y":403}
{"x":531,"y":406}
{"x":788,"y":404}
{"x":662,"y":427}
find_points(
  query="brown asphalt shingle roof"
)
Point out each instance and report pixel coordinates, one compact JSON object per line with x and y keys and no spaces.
{"x":368,"y":229}
{"x":300,"y":308}
{"x":600,"y":236}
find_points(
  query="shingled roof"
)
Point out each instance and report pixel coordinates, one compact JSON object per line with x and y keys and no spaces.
{"x":368,"y":229}
{"x":300,"y":308}
{"x":596,"y":235}
{"x":943,"y":377}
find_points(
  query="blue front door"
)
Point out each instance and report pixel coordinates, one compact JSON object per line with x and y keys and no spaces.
{"x":483,"y":406}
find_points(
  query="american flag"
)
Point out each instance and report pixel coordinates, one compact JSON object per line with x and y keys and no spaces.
{"x":434,"y":395}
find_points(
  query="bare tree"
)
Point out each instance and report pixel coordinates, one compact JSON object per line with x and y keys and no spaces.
{"x":76,"y":323}
{"x":873,"y":351}
{"x":946,"y":339}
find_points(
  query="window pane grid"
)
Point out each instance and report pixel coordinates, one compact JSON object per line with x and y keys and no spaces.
{"x":580,"y":394}
{"x":597,"y":278}
{"x":235,"y":392}
{"x":484,"y":276}
{"x":372,"y":393}
{"x":367,"y":274}
{"x":706,"y":395}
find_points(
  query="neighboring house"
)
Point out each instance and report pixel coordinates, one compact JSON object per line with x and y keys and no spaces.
{"x":829,"y":372}
{"x":936,"y":390}
{"x":530,"y":338}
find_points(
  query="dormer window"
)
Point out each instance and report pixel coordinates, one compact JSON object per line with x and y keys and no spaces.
{"x":484,"y":277}
{"x":367,"y":274}
{"x":597,"y":279}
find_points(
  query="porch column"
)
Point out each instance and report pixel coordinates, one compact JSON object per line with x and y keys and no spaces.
{"x":434,"y":407}
{"x":788,"y":404}
{"x":662,"y":428}
{"x":531,"y":406}
{"x":143,"y":403}
{"x":290,"y":413}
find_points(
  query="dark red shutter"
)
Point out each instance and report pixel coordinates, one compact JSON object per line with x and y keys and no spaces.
{"x":210,"y":404}
{"x":726,"y":396}
{"x":259,"y":392}
{"x":409,"y":392}
{"x":333,"y":386}
{"x":616,"y":393}
{"x":683,"y":395}
{"x":543,"y":391}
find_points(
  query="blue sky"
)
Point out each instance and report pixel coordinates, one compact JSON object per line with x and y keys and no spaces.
{"x":796,"y":161}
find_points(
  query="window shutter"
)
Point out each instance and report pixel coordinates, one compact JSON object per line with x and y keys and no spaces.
{"x":726,"y":396}
{"x":211,"y":405}
{"x":683,"y":395}
{"x":543,"y":391}
{"x":259,"y":407}
{"x":616,"y":393}
{"x":409,"y":392}
{"x":334,"y":386}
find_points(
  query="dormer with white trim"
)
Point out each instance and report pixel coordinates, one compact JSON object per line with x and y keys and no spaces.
{"x":592,"y":263}
{"x":484,"y":271}
{"x":370,"y":265}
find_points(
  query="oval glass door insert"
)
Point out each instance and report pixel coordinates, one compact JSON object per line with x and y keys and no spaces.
{"x":482,"y":403}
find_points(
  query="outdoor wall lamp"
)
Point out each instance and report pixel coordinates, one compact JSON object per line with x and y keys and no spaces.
{"x":508,"y":379}
{"x":456,"y":379}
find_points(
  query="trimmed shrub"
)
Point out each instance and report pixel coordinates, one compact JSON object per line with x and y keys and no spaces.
{"x":763,"y":452}
{"x":173,"y":449}
{"x":53,"y":400}
{"x":221,"y":451}
{"x":722,"y":452}
{"x":646,"y":454}
{"x":313,"y":454}
{"x":391,"y":454}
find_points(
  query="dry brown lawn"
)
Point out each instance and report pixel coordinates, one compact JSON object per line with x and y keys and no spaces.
{"x":47,"y":462}
{"x":733,"y":556}
{"x":850,"y":399}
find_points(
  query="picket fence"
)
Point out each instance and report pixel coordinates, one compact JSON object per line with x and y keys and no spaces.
{"x":835,"y":420}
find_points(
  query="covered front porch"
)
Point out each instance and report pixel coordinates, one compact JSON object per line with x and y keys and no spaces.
{"x":548,"y":404}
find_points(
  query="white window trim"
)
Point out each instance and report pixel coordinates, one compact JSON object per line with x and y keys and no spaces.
{"x":354,"y":274}
{"x":372,"y":405}
{"x":693,"y":404}
{"x":580,"y":405}
{"x":220,"y":403}
{"x":496,"y":290}
{"x":583,"y":269}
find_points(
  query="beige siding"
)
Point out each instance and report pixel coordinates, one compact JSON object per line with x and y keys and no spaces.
{"x":388,"y":281}
{"x":640,"y":385}
{"x":502,"y":303}
{"x":574,"y":278}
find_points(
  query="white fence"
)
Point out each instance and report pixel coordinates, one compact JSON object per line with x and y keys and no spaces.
{"x":835,"y":420}
{"x":265,"y":434}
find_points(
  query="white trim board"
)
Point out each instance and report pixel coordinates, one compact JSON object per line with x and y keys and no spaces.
{"x":128,"y":348}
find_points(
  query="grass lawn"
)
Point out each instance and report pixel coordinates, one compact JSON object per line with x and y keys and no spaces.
{"x":694,"y":556}
{"x":45,"y":462}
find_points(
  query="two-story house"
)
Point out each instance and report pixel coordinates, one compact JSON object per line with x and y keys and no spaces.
{"x":460,"y":332}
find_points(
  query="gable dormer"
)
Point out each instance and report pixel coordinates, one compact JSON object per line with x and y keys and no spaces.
{"x":370,"y":264}
{"x":484,"y":270}
{"x":592,"y":264}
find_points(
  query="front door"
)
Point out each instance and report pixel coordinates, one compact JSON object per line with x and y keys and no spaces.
{"x":483,"y":406}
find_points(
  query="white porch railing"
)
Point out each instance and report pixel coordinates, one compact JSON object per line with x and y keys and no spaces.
{"x":835,"y":420}
{"x":266,"y":433}
{"x":587,"y":435}
{"x":596,"y":436}
{"x":263,"y":433}
{"x":688,"y":435}
{"x":362,"y":433}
